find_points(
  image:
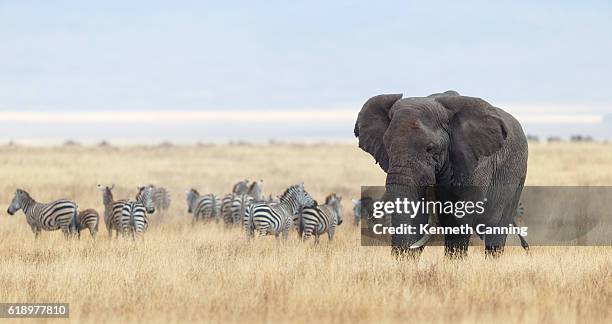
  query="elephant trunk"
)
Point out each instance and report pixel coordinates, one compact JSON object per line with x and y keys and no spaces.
{"x":404,"y":242}
{"x":412,"y":185}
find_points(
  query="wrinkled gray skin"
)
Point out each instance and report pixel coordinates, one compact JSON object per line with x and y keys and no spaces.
{"x":446,"y":140}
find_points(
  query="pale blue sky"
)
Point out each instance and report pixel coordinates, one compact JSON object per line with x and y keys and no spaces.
{"x":197,"y":55}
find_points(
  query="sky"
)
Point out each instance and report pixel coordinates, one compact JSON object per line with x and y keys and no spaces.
{"x":530,"y":58}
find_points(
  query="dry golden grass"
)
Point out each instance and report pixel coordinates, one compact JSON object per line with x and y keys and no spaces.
{"x":181,"y":273}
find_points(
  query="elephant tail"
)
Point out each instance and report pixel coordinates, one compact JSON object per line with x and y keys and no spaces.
{"x":524,"y":242}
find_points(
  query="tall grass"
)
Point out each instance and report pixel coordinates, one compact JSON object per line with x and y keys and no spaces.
{"x":183,"y":273}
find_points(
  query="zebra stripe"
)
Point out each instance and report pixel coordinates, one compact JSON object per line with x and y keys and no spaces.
{"x":238,"y":207}
{"x":321,"y":219}
{"x":161,"y":198}
{"x":203,"y":207}
{"x":58,"y":214}
{"x":226,"y":208}
{"x":134,"y":218}
{"x":276,"y":218}
{"x":113,"y":210}
{"x":89,"y":219}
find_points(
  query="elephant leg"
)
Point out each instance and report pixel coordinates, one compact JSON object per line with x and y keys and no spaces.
{"x":494,"y":245}
{"x":456,"y":246}
{"x":406,"y":253}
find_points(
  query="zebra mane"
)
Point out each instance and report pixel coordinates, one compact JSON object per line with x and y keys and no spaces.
{"x":25,"y":194}
{"x":252,"y":186}
{"x":289,"y":191}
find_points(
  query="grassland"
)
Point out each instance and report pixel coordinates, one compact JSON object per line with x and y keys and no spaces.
{"x":207,"y":273}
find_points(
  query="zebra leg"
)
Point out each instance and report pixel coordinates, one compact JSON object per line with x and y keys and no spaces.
{"x":306,"y":233}
{"x":35,"y":231}
{"x":263,"y":231}
{"x":317,"y":238}
{"x":330,"y":234}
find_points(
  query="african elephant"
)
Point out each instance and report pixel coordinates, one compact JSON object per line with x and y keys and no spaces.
{"x":448,"y":142}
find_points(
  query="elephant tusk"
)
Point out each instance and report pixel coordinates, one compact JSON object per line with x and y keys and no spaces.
{"x":432,"y":220}
{"x":418,"y":244}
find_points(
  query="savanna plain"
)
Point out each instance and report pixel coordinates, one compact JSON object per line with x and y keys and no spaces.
{"x":209,"y":273}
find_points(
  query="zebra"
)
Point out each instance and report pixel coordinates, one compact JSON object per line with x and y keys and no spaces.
{"x":58,"y":214}
{"x":241,"y":187}
{"x":113,"y":210}
{"x":134,"y":218}
{"x":321,"y":219}
{"x":255,"y":191}
{"x":203,"y":207}
{"x":276,"y":218}
{"x":161,"y":198}
{"x":357,"y":207}
{"x":233,"y":207}
{"x":88,"y":218}
{"x":226,"y":208}
{"x":239,"y":205}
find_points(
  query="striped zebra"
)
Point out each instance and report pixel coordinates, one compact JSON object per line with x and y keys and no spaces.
{"x":239,"y":205}
{"x":88,"y":218}
{"x":276,"y":218}
{"x":321,"y":219}
{"x":226,"y":208}
{"x":134,"y":218}
{"x":161,"y":198}
{"x":357,"y":208}
{"x":241,"y":187}
{"x":255,"y":191}
{"x":203,"y":207}
{"x":58,"y":214}
{"x":113,"y":210}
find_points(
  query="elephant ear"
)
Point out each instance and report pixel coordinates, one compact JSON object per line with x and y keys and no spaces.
{"x":476,"y":131}
{"x":372,"y":124}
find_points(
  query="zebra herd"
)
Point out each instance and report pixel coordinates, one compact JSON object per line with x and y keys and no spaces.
{"x":125,"y":216}
{"x":245,"y":206}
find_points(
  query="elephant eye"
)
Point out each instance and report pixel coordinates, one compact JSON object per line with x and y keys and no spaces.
{"x":430,"y":148}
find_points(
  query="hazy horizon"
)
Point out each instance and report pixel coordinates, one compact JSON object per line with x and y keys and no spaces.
{"x":81,"y":70}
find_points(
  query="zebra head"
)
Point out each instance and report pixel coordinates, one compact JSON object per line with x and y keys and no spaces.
{"x":255,"y":190}
{"x":107,"y":195}
{"x":335,"y":202}
{"x":20,"y":200}
{"x":192,"y":197}
{"x":145,"y":197}
{"x":241,"y":187}
{"x":298,"y":194}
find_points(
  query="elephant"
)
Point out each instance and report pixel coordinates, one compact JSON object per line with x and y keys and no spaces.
{"x":447,"y":142}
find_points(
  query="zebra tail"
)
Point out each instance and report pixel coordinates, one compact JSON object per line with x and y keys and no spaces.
{"x":132,"y":221}
{"x":250,"y":223}
{"x":74,"y":223}
{"x":300,"y":224}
